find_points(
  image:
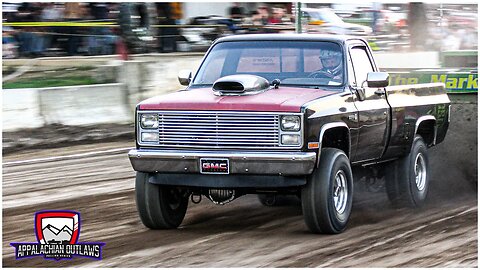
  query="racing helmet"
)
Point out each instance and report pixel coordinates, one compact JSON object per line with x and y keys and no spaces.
{"x":331,"y":60}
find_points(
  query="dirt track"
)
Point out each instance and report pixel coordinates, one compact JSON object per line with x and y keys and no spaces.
{"x":243,"y":233}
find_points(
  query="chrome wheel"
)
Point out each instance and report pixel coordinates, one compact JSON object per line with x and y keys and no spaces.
{"x":340,"y":192}
{"x":407,"y":178}
{"x":420,"y":172}
{"x":327,"y":196}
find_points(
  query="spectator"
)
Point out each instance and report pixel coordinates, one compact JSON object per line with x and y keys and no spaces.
{"x":277,"y":16}
{"x":168,"y":35}
{"x":73,"y":12}
{"x":255,"y":18}
{"x":263,"y":13}
{"x":236,"y":12}
{"x":35,"y":41}
{"x":98,"y":43}
{"x":51,"y":13}
{"x":38,"y":36}
{"x":9,"y":45}
{"x":111,"y":39}
{"x":24,"y":34}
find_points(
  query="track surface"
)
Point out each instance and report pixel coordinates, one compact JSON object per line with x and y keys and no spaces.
{"x":241,"y":234}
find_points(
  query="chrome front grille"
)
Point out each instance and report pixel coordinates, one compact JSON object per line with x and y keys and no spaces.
{"x":218,"y":130}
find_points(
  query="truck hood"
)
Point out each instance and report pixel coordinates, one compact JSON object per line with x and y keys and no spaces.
{"x":283,"y":99}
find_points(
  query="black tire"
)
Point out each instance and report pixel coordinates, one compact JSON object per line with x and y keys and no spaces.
{"x":322,"y":212}
{"x":404,"y":188}
{"x":159,"y":207}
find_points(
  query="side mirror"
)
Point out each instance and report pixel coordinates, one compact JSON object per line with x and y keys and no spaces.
{"x":184,"y":77}
{"x":377,"y":79}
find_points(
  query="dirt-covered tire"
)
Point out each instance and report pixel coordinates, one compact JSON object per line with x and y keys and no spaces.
{"x":159,"y":207}
{"x":407,"y":179}
{"x":327,"y":197}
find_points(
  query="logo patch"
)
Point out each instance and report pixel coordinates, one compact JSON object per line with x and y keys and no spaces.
{"x":214,"y":166}
{"x":57,"y":234}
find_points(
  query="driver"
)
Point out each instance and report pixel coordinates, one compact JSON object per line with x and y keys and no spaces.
{"x":331,"y":64}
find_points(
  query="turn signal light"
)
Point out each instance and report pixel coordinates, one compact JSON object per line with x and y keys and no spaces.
{"x":313,"y":145}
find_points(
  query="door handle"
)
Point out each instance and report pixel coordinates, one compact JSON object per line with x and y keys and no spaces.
{"x":379,"y":92}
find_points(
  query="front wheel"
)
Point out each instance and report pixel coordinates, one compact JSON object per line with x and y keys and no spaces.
{"x":327,"y":197}
{"x":159,"y":207}
{"x":407,"y":179}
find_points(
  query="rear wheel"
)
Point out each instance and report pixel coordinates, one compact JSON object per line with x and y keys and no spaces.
{"x":407,"y":179}
{"x":327,"y":197}
{"x":159,"y":206}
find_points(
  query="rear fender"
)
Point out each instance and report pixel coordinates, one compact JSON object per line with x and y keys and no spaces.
{"x":427,"y":128}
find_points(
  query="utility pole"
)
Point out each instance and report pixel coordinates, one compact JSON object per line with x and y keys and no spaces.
{"x":298,"y":18}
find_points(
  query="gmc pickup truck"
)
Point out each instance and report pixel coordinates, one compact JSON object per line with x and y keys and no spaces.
{"x":285,"y":114}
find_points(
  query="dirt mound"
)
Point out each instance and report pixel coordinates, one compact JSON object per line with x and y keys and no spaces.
{"x":454,"y":162}
{"x":53,"y":136}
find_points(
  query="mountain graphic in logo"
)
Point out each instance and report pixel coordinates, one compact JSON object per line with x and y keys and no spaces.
{"x":57,"y":233}
{"x":53,"y":235}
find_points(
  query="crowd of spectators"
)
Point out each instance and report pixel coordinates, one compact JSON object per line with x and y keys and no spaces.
{"x":35,"y":41}
{"x":263,"y":15}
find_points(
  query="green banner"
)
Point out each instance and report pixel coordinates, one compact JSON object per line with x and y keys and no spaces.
{"x":455,"y":82}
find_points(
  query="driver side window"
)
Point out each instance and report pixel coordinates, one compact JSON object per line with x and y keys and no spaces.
{"x":361,"y":64}
{"x":351,"y":73}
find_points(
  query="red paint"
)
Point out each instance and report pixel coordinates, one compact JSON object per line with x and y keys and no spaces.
{"x":284,"y":99}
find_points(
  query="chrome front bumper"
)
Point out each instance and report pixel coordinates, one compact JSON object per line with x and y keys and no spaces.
{"x":263,"y":163}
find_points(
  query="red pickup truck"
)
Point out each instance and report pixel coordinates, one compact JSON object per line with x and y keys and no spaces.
{"x":285,"y":114}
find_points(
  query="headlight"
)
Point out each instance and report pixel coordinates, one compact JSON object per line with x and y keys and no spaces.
{"x":290,"y":123}
{"x":149,"y":136}
{"x":149,"y":120}
{"x":290,"y":139}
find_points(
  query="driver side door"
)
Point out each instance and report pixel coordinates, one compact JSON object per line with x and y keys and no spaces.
{"x":373,"y":113}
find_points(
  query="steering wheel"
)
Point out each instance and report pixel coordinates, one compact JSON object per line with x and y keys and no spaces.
{"x":320,"y":73}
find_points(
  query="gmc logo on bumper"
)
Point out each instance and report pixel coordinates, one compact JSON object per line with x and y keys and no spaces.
{"x":214,"y":166}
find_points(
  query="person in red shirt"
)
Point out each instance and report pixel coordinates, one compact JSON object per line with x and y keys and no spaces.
{"x":277,"y":16}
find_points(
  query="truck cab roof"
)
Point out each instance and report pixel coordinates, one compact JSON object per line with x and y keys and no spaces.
{"x":288,"y":37}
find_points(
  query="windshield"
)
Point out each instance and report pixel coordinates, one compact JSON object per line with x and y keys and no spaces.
{"x":297,"y":63}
